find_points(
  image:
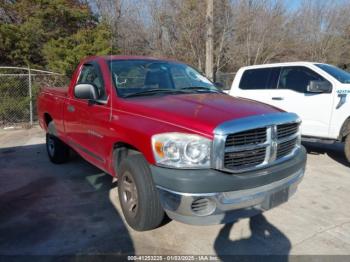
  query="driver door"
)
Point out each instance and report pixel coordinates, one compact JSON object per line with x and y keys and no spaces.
{"x":86,"y":123}
{"x":313,"y":108}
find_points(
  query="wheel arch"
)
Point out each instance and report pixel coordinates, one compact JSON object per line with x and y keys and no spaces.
{"x":50,"y":124}
{"x":47,"y":119}
{"x":120,"y":151}
{"x":345,"y":130}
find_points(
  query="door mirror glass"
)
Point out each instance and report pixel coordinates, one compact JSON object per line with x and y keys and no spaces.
{"x":316,"y":86}
{"x":85,"y":91}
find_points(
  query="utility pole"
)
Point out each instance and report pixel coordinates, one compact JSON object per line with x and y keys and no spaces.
{"x":209,"y":53}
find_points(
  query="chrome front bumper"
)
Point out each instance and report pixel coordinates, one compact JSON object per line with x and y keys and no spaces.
{"x":223,"y":207}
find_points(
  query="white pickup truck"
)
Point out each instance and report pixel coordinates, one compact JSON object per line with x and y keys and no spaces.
{"x":318,"y":93}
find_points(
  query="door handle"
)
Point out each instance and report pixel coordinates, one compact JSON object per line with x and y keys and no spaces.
{"x":70,"y":108}
{"x":277,"y":98}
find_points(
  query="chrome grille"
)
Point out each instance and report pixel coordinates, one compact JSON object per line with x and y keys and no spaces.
{"x":287,"y":130}
{"x":245,"y":159}
{"x":250,"y":137}
{"x":239,"y":148}
{"x":285,"y":148}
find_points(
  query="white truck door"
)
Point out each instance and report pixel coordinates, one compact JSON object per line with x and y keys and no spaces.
{"x":255,"y":84}
{"x":315,"y":109}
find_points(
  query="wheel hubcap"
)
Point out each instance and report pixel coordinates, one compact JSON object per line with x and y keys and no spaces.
{"x":129,"y":194}
{"x":51,"y":146}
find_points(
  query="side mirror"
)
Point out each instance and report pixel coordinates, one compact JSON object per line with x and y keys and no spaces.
{"x":317,"y":86}
{"x":85,"y":91}
{"x":221,"y":86}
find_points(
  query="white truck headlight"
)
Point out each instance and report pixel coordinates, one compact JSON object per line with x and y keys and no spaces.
{"x":180,"y":150}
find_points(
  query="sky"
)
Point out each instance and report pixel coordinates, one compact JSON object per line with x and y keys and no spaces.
{"x":293,"y":4}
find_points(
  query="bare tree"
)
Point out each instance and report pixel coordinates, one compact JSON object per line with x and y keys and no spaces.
{"x":243,"y":32}
{"x":319,"y":30}
{"x":178,"y":31}
{"x":260,"y":32}
{"x":223,"y":32}
{"x":110,"y":12}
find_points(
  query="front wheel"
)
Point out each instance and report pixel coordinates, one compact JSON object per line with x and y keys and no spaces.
{"x":347,"y":148}
{"x":138,"y":195}
{"x":57,"y":151}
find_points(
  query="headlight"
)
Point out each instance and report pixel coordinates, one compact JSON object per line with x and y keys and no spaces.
{"x":181,"y":150}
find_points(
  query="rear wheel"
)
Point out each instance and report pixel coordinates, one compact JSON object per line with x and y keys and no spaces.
{"x":138,"y":195}
{"x":57,"y":151}
{"x":347,"y":148}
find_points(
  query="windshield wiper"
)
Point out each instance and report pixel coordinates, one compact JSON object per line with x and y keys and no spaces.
{"x":155,"y":91}
{"x":200,"y":88}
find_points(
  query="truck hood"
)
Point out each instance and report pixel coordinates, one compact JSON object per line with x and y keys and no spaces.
{"x":197,"y":112}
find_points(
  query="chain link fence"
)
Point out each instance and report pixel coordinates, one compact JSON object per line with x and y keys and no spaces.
{"x":19,"y":88}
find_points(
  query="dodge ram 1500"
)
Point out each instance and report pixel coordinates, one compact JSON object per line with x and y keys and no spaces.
{"x":176,"y":144}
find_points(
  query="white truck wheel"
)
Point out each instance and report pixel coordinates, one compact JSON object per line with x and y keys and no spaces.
{"x":347,"y":148}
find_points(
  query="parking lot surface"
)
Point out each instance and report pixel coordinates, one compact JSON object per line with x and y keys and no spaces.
{"x":48,"y":209}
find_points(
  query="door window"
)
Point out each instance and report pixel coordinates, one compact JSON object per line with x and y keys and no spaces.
{"x":91,"y":74}
{"x":262,"y":78}
{"x":297,"y":78}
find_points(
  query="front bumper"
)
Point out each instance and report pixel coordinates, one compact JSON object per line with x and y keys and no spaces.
{"x":247,"y":195}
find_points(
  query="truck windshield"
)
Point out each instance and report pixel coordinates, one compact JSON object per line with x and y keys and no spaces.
{"x":339,"y":74}
{"x":146,"y":77}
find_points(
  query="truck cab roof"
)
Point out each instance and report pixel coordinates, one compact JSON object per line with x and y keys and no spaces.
{"x":298,"y":63}
{"x":127,"y":57}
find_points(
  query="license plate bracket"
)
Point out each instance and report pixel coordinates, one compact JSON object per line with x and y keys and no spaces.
{"x":276,"y":199}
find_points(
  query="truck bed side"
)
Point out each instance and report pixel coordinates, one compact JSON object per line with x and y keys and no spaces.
{"x":51,"y":103}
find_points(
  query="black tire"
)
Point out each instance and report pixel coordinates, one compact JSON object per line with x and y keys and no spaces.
{"x":148,"y":213}
{"x":347,"y":148}
{"x":57,"y":151}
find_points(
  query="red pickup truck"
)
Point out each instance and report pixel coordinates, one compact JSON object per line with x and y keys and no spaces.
{"x":175,"y":142}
